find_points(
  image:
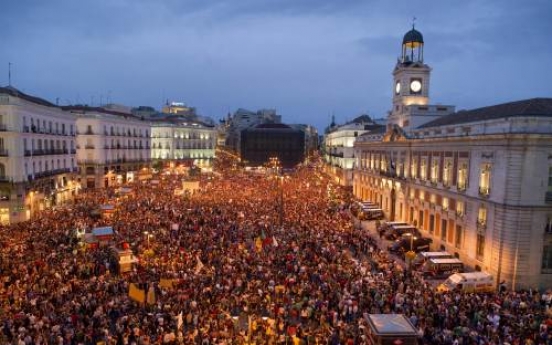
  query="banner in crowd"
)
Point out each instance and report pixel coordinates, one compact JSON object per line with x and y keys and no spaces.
{"x":136,"y":294}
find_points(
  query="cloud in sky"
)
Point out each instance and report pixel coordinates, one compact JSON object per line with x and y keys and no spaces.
{"x":306,"y":58}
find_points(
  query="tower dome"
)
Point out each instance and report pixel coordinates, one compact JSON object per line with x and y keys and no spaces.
{"x":413,"y":38}
{"x":413,"y":47}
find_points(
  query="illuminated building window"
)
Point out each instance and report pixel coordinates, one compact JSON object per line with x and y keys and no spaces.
{"x":423,"y":169}
{"x":462,"y":183}
{"x":414,"y":168}
{"x":434,"y":169}
{"x":445,"y":204}
{"x":482,"y":216}
{"x":447,"y":172}
{"x":460,"y":209}
{"x":485,"y":180}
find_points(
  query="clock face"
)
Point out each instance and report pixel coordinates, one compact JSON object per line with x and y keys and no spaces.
{"x":398,"y":88}
{"x":415,"y":86}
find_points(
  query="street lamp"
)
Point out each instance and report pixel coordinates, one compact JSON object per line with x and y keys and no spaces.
{"x":147,"y":234}
{"x":410,"y":255}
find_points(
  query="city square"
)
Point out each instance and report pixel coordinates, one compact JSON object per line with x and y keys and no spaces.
{"x":226,"y":264}
{"x":275,"y":173}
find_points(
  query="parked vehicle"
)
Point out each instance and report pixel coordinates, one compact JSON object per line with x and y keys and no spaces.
{"x":417,"y":244}
{"x":357,"y":207}
{"x":372,"y":214}
{"x":468,"y":282}
{"x":422,"y":257}
{"x":396,"y":231}
{"x":440,"y":268}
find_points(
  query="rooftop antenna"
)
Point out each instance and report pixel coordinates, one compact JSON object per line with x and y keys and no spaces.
{"x":9,"y":73}
{"x":413,"y":22}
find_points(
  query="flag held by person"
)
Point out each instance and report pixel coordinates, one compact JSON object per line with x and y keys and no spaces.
{"x":136,"y":294}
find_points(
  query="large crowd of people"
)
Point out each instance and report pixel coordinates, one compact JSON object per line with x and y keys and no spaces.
{"x":247,"y":259}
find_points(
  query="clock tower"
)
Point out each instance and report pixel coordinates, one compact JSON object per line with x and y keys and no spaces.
{"x":410,"y":79}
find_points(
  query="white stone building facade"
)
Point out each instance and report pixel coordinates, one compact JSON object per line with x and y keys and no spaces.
{"x":37,"y":155}
{"x":478,"y":182}
{"x":185,"y":142}
{"x":339,"y":153}
{"x":113,"y":147}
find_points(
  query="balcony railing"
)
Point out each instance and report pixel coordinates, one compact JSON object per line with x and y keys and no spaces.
{"x":3,"y":153}
{"x":461,"y":186}
{"x":3,"y":127}
{"x":484,"y":191}
{"x":27,"y":153}
{"x":73,"y":151}
{"x":548,"y":197}
{"x":26,"y":129}
{"x":48,"y":173}
{"x":88,"y":147}
{"x":481,"y":224}
{"x":87,"y":161}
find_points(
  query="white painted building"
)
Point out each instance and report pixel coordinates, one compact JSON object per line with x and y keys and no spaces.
{"x":184,"y":142}
{"x":338,"y":147}
{"x":112,"y":146}
{"x":478,"y":182}
{"x":37,"y":155}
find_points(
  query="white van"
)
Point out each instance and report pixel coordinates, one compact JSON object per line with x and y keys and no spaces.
{"x":468,"y":282}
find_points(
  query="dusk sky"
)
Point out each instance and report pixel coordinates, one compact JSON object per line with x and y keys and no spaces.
{"x":305,"y":58}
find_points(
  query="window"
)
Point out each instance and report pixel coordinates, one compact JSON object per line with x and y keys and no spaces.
{"x":434,"y":169}
{"x":482,"y":217}
{"x":460,"y":208}
{"x":550,"y":179}
{"x":548,"y":225}
{"x":432,"y":199}
{"x":400,"y":168}
{"x":423,"y":169}
{"x":485,"y":180}
{"x":414,"y":168}
{"x":447,"y":172}
{"x":462,"y":183}
{"x":421,"y":218}
{"x":443,"y":229}
{"x":412,"y":194}
{"x":445,"y":204}
{"x":480,"y":245}
{"x":546,"y":263}
{"x":431,"y":223}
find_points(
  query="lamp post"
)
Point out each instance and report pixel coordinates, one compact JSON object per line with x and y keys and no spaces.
{"x":146,"y":233}
{"x":410,"y":255}
{"x":281,"y":201}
